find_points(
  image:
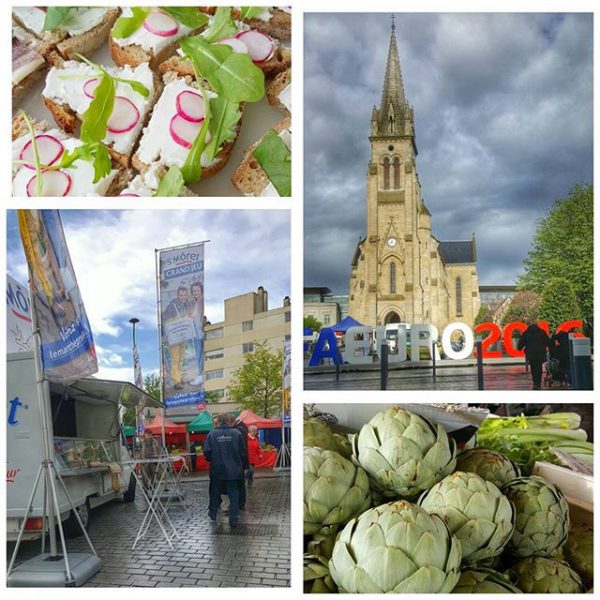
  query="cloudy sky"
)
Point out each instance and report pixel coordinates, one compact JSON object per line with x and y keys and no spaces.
{"x":503,"y":119}
{"x":113,"y":257}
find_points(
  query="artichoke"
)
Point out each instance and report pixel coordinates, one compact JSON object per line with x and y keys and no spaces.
{"x":322,"y":542}
{"x":475,"y":511}
{"x":318,"y":434}
{"x":539,"y":575}
{"x":488,"y":464}
{"x":403,"y":453}
{"x":579,"y":551}
{"x":334,"y":490}
{"x":317,"y":579}
{"x":343,"y":445}
{"x":542,"y":522}
{"x":484,"y":581}
{"x":396,"y":547}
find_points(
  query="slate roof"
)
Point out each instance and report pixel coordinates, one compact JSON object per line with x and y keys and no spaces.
{"x":458,"y":252}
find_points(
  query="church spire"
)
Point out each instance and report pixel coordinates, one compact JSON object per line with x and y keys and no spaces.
{"x":393,"y":100}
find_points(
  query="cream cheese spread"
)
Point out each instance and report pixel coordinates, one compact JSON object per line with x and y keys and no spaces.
{"x":77,"y":22}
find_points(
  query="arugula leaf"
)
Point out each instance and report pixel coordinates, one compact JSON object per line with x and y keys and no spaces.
{"x":56,"y":16}
{"x":36,"y":155}
{"x":205,"y":58}
{"x":94,"y":152}
{"x":95,"y":118}
{"x":125,"y":26}
{"x":190,"y":17}
{"x":250,"y":12}
{"x":222,"y":25}
{"x":136,"y":86}
{"x":171,"y":184}
{"x":224,"y":118}
{"x":276,"y":161}
{"x":192,"y":168}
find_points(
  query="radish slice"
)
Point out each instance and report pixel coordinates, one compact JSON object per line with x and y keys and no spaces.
{"x":54,"y":183}
{"x":236,"y":45}
{"x":49,"y":148}
{"x":260,"y":46}
{"x":124,"y":117}
{"x":183,"y":132}
{"x":161,"y":24}
{"x":89,"y":86}
{"x":190,"y":106}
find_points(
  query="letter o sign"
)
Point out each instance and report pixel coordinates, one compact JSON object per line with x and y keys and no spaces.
{"x":467,"y":349}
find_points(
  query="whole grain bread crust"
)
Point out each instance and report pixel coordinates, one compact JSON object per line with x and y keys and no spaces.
{"x":281,"y":81}
{"x":20,"y":90}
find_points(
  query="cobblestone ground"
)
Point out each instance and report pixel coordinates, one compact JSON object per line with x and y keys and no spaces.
{"x":257,"y":554}
{"x":501,"y":377}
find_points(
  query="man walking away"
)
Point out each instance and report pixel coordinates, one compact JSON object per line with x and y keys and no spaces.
{"x":254,"y":454}
{"x":241,"y":427}
{"x":224,"y":450}
{"x":535,"y":342}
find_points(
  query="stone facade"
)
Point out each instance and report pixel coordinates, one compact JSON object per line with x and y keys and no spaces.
{"x":400,"y":272}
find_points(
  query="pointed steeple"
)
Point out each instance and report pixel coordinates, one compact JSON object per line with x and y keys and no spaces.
{"x":393,"y":101}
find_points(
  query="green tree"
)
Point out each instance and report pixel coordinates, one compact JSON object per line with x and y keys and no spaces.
{"x":152,"y":385}
{"x":563,"y":246}
{"x":311,"y":322}
{"x":484,"y":315}
{"x":258,"y":383}
{"x":558,"y":302}
{"x":524,"y":306}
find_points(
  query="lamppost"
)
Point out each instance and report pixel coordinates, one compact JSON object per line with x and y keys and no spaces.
{"x":133,"y":322}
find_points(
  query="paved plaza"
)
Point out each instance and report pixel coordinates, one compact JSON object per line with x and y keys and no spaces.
{"x":496,"y":377}
{"x":255,"y":554}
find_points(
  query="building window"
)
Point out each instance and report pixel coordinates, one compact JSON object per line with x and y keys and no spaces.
{"x":213,"y":334}
{"x":247,"y":326}
{"x":214,"y":354}
{"x":326,"y":319}
{"x":396,"y":173}
{"x":288,"y":338}
{"x":216,"y":374}
{"x":386,"y":173}
{"x":287,"y":316}
{"x":392,"y":278}
{"x":458,"y":297}
{"x":247,"y":347}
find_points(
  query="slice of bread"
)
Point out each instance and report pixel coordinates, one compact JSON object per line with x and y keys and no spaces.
{"x":91,"y":40}
{"x":278,"y":26}
{"x":25,"y":44}
{"x":19,"y":126}
{"x":249,"y":178}
{"x":274,"y":89}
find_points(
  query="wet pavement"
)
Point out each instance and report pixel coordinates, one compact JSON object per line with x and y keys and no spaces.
{"x":255,"y":554}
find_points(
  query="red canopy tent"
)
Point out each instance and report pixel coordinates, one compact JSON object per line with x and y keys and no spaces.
{"x":250,"y":418}
{"x":155,"y":426}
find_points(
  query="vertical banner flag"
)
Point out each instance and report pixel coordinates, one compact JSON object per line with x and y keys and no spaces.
{"x":67,"y":346}
{"x":287,"y":377}
{"x":137,"y":369}
{"x":19,"y":334}
{"x":181,"y":285}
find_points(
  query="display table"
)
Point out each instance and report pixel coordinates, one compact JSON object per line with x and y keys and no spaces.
{"x":268,"y":461}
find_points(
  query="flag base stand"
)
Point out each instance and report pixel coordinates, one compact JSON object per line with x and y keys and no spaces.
{"x":282,"y":462}
{"x":45,"y":570}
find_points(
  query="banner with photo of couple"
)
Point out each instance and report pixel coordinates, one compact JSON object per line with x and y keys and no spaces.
{"x":181,"y":321}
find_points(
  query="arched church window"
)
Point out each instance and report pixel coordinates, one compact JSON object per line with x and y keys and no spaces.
{"x":392,"y":278}
{"x":391,"y":124}
{"x":386,"y":173}
{"x":458,"y":297}
{"x":396,"y":173}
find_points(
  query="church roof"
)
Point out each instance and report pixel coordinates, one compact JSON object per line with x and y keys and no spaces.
{"x":458,"y":252}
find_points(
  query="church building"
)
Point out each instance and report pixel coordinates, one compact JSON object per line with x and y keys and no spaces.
{"x":400,"y":272}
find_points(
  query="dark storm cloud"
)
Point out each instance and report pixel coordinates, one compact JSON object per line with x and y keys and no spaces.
{"x":503,"y":111}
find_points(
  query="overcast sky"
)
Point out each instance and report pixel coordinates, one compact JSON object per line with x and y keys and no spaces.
{"x":113,"y":257}
{"x":503,"y":119}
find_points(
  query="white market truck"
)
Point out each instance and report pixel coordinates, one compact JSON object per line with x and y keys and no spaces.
{"x":85,"y":426}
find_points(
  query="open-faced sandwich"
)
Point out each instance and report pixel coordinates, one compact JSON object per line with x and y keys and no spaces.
{"x":279,"y":91}
{"x":275,"y":21}
{"x":28,"y":63}
{"x":71,"y":29}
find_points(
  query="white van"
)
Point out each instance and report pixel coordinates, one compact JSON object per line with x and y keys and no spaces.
{"x":88,"y":445}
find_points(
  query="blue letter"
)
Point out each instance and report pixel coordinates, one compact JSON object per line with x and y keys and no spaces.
{"x":326,"y":337}
{"x":12,"y":413}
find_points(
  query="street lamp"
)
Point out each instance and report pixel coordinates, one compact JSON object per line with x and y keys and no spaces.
{"x":133,"y":322}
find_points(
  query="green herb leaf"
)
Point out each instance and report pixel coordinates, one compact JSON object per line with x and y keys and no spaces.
{"x":222,"y":25}
{"x":276,"y":161}
{"x":136,"y":86}
{"x":36,"y":156}
{"x":192,"y":168}
{"x":250,"y":12}
{"x":171,"y":184}
{"x":125,"y":26}
{"x":190,"y":17}
{"x":56,"y":16}
{"x":95,"y":118}
{"x":224,"y":119}
{"x":205,"y":58}
{"x":94,"y":152}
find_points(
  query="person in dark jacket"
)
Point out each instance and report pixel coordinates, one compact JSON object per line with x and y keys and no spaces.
{"x":535,"y":342}
{"x":241,"y":427}
{"x":559,"y":349}
{"x":225,"y":451}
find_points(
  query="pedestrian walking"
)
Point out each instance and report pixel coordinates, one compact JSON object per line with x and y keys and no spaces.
{"x":535,"y":342}
{"x":243,"y":429}
{"x":254,"y":454}
{"x":559,"y":349}
{"x":224,"y":449}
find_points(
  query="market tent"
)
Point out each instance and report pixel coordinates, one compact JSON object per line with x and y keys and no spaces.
{"x":155,"y":426}
{"x":250,"y":418}
{"x":201,"y":424}
{"x":129,"y":431}
{"x":345,"y":324}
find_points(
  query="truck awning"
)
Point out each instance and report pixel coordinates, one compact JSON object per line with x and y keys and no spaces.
{"x":122,"y":392}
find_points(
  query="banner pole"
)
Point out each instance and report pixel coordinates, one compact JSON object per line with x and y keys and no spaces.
{"x":160,"y":347}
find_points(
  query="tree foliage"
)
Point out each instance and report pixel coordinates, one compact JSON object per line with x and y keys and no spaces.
{"x":258,"y":383}
{"x":311,"y":322}
{"x":558,"y":302}
{"x":484,"y":315}
{"x":563,"y":246}
{"x":524,"y":306}
{"x":152,"y":385}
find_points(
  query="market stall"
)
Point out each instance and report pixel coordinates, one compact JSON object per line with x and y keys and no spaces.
{"x":175,"y":436}
{"x":198,"y":430}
